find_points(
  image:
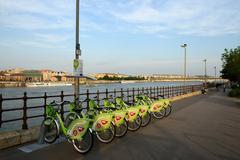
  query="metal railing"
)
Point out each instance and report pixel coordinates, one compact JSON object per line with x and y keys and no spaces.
{"x":128,"y":95}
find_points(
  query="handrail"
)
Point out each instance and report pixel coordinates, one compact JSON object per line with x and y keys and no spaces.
{"x":128,"y":95}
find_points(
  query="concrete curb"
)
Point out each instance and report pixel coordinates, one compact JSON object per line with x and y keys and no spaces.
{"x":186,"y":95}
{"x":13,"y":138}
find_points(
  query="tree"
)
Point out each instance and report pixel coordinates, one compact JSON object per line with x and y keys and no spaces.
{"x":231,"y":64}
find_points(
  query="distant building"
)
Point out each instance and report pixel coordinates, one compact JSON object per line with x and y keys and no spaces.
{"x":22,"y":75}
{"x":13,"y":71}
{"x":57,"y":76}
{"x":32,"y":76}
{"x":164,"y":76}
{"x":54,"y":76}
{"x":2,"y":76}
{"x":47,"y":75}
{"x":16,"y":77}
{"x":203,"y":76}
{"x":111,"y":75}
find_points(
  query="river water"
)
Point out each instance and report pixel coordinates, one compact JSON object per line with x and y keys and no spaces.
{"x":39,"y":91}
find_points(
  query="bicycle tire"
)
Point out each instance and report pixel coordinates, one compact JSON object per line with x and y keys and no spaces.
{"x":135,"y":125}
{"x":159,"y":115}
{"x":122,"y":132}
{"x":100,"y":134}
{"x":77,"y":144}
{"x":53,"y":126}
{"x":168,"y":110}
{"x":146,"y":120}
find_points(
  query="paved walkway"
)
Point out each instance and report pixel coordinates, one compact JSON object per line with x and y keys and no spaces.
{"x":201,"y":127}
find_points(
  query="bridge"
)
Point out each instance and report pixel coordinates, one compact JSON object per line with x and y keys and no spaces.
{"x":200,"y":127}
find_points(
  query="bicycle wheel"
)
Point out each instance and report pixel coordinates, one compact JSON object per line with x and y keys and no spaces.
{"x":160,"y":114}
{"x":85,"y":144}
{"x":122,"y":129}
{"x":50,"y":130}
{"x":135,"y":125}
{"x":145,"y":120}
{"x":168,"y":110}
{"x":107,"y":135}
{"x":70,"y":117}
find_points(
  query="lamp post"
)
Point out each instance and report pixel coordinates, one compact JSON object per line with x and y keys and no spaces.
{"x":215,"y":74}
{"x":77,"y":54}
{"x":205,"y":76}
{"x":185,"y":59}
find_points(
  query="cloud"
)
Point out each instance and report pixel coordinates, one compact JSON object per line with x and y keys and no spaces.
{"x":5,"y":44}
{"x":53,"y":38}
{"x":35,"y":44}
{"x":42,"y":7}
{"x":48,"y":25}
{"x":185,"y":17}
{"x":151,"y":29}
{"x":46,"y":22}
{"x":35,"y":15}
{"x":31,"y":22}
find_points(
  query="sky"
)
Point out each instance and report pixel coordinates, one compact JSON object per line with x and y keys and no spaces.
{"x":121,"y":36}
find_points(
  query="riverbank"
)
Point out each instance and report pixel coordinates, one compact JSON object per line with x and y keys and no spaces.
{"x":12,"y":84}
{"x":9,"y":84}
{"x":17,"y":137}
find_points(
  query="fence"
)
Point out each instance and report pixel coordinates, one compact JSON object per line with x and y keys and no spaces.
{"x":128,"y":95}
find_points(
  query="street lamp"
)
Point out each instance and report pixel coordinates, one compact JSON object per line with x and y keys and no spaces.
{"x":205,"y":76}
{"x":77,"y":54}
{"x":215,"y":74}
{"x":185,"y":52}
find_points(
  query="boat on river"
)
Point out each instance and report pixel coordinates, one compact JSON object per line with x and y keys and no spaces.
{"x":46,"y":84}
{"x":128,"y":81}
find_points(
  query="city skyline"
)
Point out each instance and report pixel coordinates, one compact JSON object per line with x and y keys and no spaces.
{"x":20,"y":70}
{"x":129,"y":37}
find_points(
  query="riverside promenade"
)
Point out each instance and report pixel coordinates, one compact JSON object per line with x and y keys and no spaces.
{"x":200,"y":127}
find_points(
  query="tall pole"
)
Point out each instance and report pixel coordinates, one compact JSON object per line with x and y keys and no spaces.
{"x":185,"y":65}
{"x":215,"y":73}
{"x":205,"y":76}
{"x":185,"y":62}
{"x":77,"y":54}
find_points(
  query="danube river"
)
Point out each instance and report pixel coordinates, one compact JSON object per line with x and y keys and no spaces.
{"x":39,"y":91}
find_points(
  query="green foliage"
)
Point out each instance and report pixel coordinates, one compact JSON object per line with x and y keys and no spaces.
{"x":121,"y":78}
{"x":231,"y":64}
{"x":236,"y":85}
{"x":235,"y":92}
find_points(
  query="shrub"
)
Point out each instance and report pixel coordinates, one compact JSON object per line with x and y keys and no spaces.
{"x":235,"y":92}
{"x":236,"y":85}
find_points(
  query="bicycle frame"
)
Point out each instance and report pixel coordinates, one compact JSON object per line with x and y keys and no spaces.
{"x":119,"y":114}
{"x":132,"y":112}
{"x":153,"y":106}
{"x":76,"y":129}
{"x":100,"y":122}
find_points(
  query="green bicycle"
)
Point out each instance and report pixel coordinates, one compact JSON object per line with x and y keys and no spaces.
{"x":120,"y":121}
{"x":144,"y":112}
{"x":159,"y":108}
{"x":101,"y":124}
{"x":133,"y":114}
{"x":78,"y":132}
{"x":166,"y":104}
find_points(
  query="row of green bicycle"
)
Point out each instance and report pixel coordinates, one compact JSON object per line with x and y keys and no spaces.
{"x":112,"y":120}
